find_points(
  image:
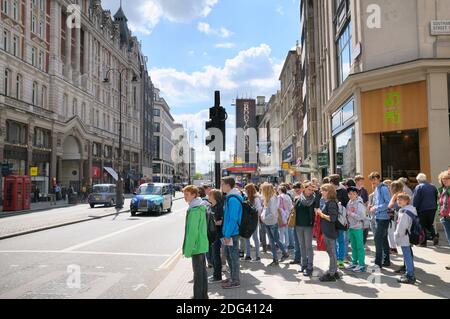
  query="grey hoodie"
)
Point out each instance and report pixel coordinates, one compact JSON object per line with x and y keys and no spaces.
{"x":356,"y":213}
{"x":195,"y":202}
{"x":404,"y":223}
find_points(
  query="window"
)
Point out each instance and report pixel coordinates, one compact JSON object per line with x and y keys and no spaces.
{"x":65,"y":109}
{"x":74,"y":107}
{"x":42,"y":5}
{"x":41,"y":138}
{"x":97,"y":118}
{"x":156,"y":168}
{"x":6,"y":82}
{"x":19,"y":87}
{"x":6,"y":40}
{"x":41,"y":61}
{"x":41,"y":29}
{"x":15,"y":46}
{"x":343,"y":116}
{"x":83,"y":112}
{"x":156,"y":112}
{"x":15,"y":10}
{"x":5,"y":6}
{"x":16,"y":133}
{"x":44,"y":97}
{"x":33,"y":56}
{"x":34,"y":93}
{"x":345,"y":153}
{"x":33,"y":24}
{"x":156,"y":127}
{"x":344,"y":53}
{"x":156,"y":147}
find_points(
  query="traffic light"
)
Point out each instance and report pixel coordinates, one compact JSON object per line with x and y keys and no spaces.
{"x":216,"y":126}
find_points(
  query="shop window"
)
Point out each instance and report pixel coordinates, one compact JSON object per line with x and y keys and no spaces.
{"x":344,"y":53}
{"x":156,"y":168}
{"x":345,"y":153}
{"x":343,"y":117}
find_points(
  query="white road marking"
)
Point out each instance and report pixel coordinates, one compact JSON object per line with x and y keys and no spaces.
{"x":79,"y":252}
{"x":99,"y":267}
{"x":95,"y":240}
{"x":14,"y":266}
{"x":137,"y":287}
{"x":43,"y":266}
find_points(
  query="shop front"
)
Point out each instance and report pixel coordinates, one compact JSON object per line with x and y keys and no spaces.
{"x":395,"y":134}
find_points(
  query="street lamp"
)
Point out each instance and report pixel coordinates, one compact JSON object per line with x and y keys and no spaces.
{"x":119,"y":184}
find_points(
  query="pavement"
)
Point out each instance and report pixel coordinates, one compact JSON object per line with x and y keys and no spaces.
{"x":285,"y":282}
{"x":42,"y":216}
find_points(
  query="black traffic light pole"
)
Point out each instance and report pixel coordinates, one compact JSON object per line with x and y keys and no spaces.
{"x":218,"y":117}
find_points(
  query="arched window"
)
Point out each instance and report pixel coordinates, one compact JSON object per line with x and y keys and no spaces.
{"x":19,"y":87}
{"x":6,"y":82}
{"x":34,"y":94}
{"x":83,"y":112}
{"x":44,"y":97}
{"x":75,"y":107}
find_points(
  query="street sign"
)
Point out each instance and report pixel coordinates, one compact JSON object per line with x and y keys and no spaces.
{"x":286,"y":166}
{"x":34,"y":171}
{"x":322,"y":159}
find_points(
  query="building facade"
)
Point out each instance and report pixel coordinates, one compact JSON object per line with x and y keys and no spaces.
{"x":378,"y":86}
{"x":56,"y":112}
{"x":147,"y":123}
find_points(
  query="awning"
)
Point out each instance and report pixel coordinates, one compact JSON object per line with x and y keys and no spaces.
{"x":112,"y":172}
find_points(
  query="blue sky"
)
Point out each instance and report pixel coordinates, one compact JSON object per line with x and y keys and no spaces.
{"x":198,"y":46}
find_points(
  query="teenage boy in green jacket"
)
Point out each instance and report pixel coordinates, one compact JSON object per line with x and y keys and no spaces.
{"x":196,"y":243}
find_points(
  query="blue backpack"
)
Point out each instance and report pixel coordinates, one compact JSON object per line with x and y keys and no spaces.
{"x":416,"y":233}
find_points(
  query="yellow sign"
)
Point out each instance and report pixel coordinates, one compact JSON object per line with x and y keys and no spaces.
{"x":34,"y":171}
{"x":286,"y":166}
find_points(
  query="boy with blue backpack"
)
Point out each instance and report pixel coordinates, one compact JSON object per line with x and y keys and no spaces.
{"x":408,"y":232}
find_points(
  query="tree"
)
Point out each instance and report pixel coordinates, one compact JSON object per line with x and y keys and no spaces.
{"x":198,"y":176}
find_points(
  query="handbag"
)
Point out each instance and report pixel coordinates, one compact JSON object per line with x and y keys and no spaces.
{"x":292,"y":221}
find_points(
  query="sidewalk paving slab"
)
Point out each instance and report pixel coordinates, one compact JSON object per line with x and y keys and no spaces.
{"x":284,"y":282}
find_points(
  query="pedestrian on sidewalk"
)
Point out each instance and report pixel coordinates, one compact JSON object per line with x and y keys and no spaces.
{"x":196,"y":243}
{"x":304,"y":220}
{"x":356,"y":214}
{"x":381,"y":200}
{"x":395,"y":188}
{"x":342,"y":240}
{"x":202,"y":195}
{"x":328,"y":213}
{"x":262,"y":227}
{"x":425,"y":201}
{"x":232,"y":219}
{"x":404,"y":224}
{"x":216,"y":199}
{"x":359,"y":180}
{"x":255,"y":200}
{"x":285,"y":206}
{"x":444,"y":204}
{"x":270,"y":219}
{"x":297,"y":191}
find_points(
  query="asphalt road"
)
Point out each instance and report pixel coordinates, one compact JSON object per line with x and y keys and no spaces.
{"x":113,"y":257}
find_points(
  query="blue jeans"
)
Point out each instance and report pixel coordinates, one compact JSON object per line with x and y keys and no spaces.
{"x":274,"y":239}
{"x":216,"y":259}
{"x":291,"y":237}
{"x":409,"y":262}
{"x":232,"y":254}
{"x":382,"y":250}
{"x":284,"y":236}
{"x":297,"y":251}
{"x":341,"y":246}
{"x":255,"y":238}
{"x":446,"y":223}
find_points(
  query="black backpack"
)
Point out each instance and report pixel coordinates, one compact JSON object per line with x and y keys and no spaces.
{"x":249,"y":221}
{"x":416,"y":233}
{"x":211,"y":228}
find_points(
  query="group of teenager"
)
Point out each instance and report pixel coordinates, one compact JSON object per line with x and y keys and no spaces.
{"x":290,"y":216}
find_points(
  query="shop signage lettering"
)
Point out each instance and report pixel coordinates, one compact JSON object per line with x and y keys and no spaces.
{"x":392,"y":108}
{"x":34,"y":171}
{"x":440,"y":27}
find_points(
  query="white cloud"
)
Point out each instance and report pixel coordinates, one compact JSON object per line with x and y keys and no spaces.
{"x":226,"y":45}
{"x":205,"y":28}
{"x":144,"y":15}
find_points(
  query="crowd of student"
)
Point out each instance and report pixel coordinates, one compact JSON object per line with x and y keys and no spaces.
{"x":337,"y":214}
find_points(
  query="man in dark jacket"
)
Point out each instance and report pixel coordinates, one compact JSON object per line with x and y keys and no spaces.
{"x":425,"y":201}
{"x":341,"y":192}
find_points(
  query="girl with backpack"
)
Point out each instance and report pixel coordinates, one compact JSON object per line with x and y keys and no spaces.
{"x":254,"y":199}
{"x":269,"y":217}
{"x":216,"y":200}
{"x":404,"y":223}
{"x":396,"y":187}
{"x":328,"y":213}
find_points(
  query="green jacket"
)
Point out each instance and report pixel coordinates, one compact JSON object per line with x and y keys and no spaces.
{"x":195,"y":235}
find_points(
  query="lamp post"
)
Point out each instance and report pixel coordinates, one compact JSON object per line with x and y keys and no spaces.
{"x":119,"y":184}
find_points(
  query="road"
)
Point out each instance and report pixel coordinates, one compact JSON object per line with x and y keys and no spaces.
{"x":114,"y":257}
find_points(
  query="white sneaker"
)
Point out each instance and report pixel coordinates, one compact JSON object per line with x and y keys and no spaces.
{"x":359,"y":269}
{"x":351,"y":267}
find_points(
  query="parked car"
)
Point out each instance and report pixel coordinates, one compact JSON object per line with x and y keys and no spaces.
{"x":103,"y":194}
{"x":152,"y":197}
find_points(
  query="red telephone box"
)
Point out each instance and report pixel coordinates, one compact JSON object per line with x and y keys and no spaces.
{"x":26,"y":192}
{"x":13,"y":190}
